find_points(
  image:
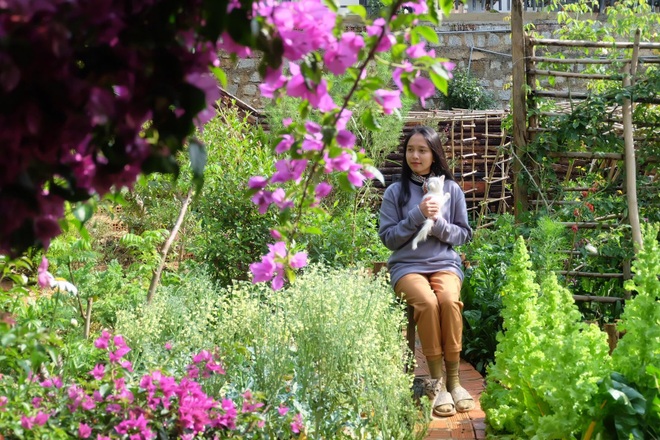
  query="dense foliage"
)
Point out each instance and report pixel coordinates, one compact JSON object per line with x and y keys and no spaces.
{"x":553,"y":377}
{"x":465,"y":92}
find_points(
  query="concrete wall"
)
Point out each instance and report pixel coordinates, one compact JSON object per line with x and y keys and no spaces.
{"x":478,"y":41}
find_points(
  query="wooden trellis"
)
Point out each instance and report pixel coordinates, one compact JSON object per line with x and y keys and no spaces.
{"x":528,"y":123}
{"x":476,"y":148}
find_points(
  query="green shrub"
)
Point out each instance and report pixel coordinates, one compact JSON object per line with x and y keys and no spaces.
{"x":465,"y":92}
{"x":331,"y":343}
{"x":232,"y":234}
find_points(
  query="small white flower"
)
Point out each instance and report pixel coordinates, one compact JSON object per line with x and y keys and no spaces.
{"x":74,"y":322}
{"x":591,"y":249}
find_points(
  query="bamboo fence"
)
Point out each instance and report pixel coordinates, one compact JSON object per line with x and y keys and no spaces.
{"x":569,"y":165}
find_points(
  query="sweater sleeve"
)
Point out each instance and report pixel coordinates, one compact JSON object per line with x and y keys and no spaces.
{"x":394,"y":232}
{"x":456,"y":229}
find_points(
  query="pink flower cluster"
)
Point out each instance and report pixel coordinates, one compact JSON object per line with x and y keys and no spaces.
{"x":272,"y":265}
{"x":158,"y":402}
{"x":79,"y":80}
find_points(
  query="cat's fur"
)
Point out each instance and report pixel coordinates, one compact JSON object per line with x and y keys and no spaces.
{"x":435,"y":188}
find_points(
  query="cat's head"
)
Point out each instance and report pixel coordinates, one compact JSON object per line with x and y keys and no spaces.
{"x":435,"y":184}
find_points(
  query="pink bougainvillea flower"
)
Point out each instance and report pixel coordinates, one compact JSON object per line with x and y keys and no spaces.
{"x":355,"y":176}
{"x":262,"y":199}
{"x":322,"y":190}
{"x":103,"y":341}
{"x":168,"y":345}
{"x":116,"y":355}
{"x":202,"y":356}
{"x":285,"y":144}
{"x":280,"y":200}
{"x":98,"y":372}
{"x":297,"y":425}
{"x":389,"y":100}
{"x":44,"y":276}
{"x":422,"y":87}
{"x":84,"y":430}
{"x":289,"y":169}
{"x":345,"y":138}
{"x":316,"y":94}
{"x":272,"y":81}
{"x":343,"y":118}
{"x":263,"y":270}
{"x":278,"y":280}
{"x":377,"y":28}
{"x":27,"y":422}
{"x":228,"y":44}
{"x":298,"y":260}
{"x":340,"y":163}
{"x":278,"y":249}
{"x":41,"y":418}
{"x":344,"y":53}
{"x":396,"y":74}
{"x":416,"y":7}
{"x":418,"y":50}
{"x":282,"y":410}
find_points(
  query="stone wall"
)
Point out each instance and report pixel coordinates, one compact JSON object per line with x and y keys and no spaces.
{"x":478,"y":41}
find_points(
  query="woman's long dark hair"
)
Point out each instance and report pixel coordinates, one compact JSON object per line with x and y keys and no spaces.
{"x":439,"y":166}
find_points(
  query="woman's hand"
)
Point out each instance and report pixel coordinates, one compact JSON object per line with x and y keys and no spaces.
{"x":429,"y":207}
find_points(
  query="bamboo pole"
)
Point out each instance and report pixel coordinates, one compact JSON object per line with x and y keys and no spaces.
{"x":519,"y":96}
{"x":580,"y":43}
{"x":588,"y":225}
{"x":629,"y":147}
{"x":560,"y":94}
{"x":586,"y":155}
{"x":579,"y":60}
{"x":600,"y":299}
{"x":574,"y":74}
{"x":576,"y":273}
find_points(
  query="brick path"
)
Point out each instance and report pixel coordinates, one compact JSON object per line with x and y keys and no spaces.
{"x":470,"y":425}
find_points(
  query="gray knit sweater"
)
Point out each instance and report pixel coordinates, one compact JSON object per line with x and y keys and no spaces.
{"x":399,"y":225}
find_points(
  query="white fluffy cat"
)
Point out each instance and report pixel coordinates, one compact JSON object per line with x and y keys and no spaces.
{"x":435,"y":188}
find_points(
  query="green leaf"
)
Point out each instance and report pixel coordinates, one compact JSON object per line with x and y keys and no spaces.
{"x":83,"y":212}
{"x":358,"y":10}
{"x":370,"y":121}
{"x":439,"y":82}
{"x":220,"y":75}
{"x":376,"y":172}
{"x":398,"y":50}
{"x":427,"y":32}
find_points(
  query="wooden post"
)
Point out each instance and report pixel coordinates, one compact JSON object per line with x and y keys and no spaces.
{"x":629,"y":146}
{"x":519,"y":96}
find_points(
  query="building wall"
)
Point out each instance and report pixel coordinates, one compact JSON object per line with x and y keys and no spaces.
{"x":480,"y":42}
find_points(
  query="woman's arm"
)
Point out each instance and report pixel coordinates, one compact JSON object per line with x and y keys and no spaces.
{"x":394,"y":231}
{"x":457,"y":230}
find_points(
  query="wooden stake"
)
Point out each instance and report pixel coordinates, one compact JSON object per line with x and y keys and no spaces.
{"x":519,"y":104}
{"x":629,"y":146}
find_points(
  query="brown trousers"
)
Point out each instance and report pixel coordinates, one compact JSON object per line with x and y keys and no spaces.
{"x":436,"y":300}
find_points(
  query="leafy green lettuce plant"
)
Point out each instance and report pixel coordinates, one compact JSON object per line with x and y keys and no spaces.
{"x":637,"y":355}
{"x":547,"y":364}
{"x":640,"y":347}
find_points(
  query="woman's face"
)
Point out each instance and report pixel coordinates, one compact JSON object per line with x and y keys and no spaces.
{"x":418,"y":155}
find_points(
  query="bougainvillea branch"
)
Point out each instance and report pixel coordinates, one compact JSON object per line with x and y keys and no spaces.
{"x":94,"y":93}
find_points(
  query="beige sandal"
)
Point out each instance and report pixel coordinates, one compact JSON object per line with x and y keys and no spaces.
{"x":443,"y":404}
{"x":462,"y":399}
